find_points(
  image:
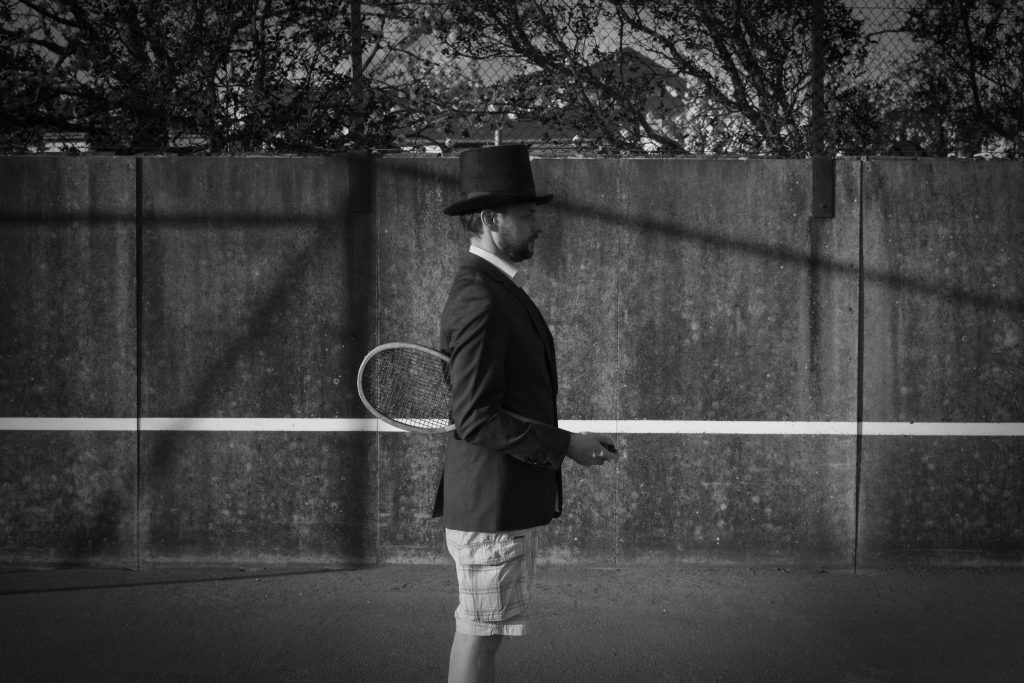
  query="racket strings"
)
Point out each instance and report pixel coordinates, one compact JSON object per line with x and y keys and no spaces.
{"x":410,"y":387}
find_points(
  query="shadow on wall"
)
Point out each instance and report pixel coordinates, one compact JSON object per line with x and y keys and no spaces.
{"x":304,"y":495}
{"x":99,"y":535}
{"x":811,"y":259}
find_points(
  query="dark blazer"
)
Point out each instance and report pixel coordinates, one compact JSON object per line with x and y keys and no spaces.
{"x":502,"y":472}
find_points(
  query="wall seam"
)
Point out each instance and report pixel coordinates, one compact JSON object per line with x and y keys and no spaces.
{"x":375,"y":227}
{"x":617,"y":377}
{"x":138,"y":361}
{"x":859,"y":441}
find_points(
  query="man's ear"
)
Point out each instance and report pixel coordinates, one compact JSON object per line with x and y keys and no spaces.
{"x":488,"y":218}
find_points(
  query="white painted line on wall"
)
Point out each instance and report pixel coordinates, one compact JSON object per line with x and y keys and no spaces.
{"x":192,"y":424}
{"x":943,"y":429}
{"x":265,"y":424}
{"x":262,"y":424}
{"x":796,"y":428}
{"x":68,"y":424}
{"x":708,"y":427}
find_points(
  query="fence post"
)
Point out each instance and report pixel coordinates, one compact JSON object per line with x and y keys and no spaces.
{"x":823,"y":172}
{"x":816,"y":133}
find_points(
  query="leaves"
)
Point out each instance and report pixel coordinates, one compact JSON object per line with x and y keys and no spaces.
{"x":707,"y":77}
{"x":969,"y":80}
{"x":239,"y":74}
{"x":618,"y":76}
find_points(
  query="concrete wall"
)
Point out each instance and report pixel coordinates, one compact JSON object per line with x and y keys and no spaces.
{"x":68,"y":349}
{"x":257,"y":302}
{"x":943,"y":342}
{"x":695,"y":293}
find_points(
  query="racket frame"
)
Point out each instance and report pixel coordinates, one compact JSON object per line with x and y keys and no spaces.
{"x":405,"y":427}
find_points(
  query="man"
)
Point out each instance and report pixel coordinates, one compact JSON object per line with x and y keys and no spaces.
{"x":502,"y":472}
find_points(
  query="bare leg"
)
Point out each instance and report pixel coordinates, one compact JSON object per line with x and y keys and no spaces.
{"x":472,"y":659}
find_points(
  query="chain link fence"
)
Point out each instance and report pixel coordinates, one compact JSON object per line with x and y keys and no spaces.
{"x":580,"y":77}
{"x":710,"y":100}
{"x":833,"y":78}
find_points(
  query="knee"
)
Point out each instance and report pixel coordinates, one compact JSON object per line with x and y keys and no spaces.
{"x":491,"y":643}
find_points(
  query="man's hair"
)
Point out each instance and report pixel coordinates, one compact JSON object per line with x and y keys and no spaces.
{"x":473,"y":223}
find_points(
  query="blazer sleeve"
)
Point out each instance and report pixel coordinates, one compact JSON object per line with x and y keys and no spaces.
{"x":478,"y":331}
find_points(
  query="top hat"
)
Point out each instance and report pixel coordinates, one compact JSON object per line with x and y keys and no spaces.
{"x":492,"y":177}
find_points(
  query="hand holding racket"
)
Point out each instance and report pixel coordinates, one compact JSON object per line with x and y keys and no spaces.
{"x":410,"y":387}
{"x":591,"y":449}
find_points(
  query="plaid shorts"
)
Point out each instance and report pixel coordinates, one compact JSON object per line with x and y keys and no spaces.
{"x":495,"y":572}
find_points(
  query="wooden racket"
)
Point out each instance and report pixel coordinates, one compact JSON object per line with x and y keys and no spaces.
{"x":410,"y":387}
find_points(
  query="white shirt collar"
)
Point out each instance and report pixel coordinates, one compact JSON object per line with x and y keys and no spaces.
{"x":495,"y":260}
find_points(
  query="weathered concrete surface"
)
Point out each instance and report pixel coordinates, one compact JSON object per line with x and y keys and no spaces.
{"x":307,"y":497}
{"x":943,"y":342}
{"x":731,"y":304}
{"x":418,"y":249}
{"x":67,"y":274}
{"x":409,"y":467}
{"x":944,"y":290}
{"x":68,"y":498}
{"x":676,"y":289}
{"x":257,"y":290}
{"x":67,"y":349}
{"x":718,"y":498}
{"x":258,"y":301}
{"x":942,"y":500}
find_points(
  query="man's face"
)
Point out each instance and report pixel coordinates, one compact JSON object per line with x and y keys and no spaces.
{"x":516,"y":231}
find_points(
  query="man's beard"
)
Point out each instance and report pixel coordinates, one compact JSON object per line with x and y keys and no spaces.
{"x":515,"y":251}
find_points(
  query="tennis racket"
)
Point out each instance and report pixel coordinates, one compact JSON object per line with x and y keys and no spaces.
{"x":410,"y":387}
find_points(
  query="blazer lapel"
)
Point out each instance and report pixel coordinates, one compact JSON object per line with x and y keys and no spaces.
{"x":531,"y":308}
{"x":541,"y":326}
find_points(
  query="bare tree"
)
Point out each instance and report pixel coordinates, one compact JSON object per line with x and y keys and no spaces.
{"x":709,"y":76}
{"x":967,"y":84}
{"x":619,"y":76}
{"x":239,"y":75}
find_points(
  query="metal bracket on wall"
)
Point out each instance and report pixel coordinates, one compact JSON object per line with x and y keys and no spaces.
{"x":360,"y":184}
{"x":823,"y":187}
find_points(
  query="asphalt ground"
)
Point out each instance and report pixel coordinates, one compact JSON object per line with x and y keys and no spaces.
{"x":627,"y":623}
